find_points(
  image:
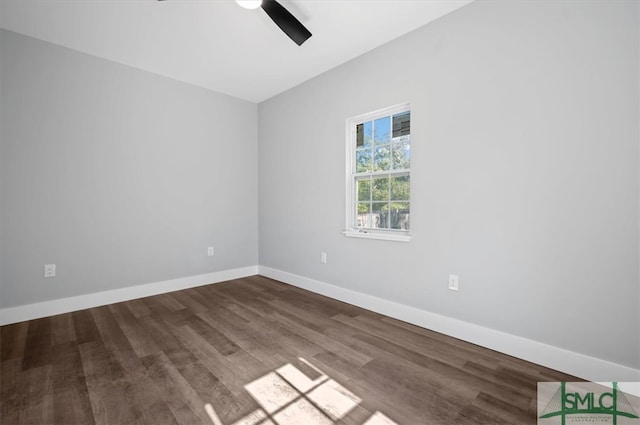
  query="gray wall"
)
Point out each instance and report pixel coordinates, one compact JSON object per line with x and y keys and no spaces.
{"x":524,"y":173}
{"x":118,"y":176}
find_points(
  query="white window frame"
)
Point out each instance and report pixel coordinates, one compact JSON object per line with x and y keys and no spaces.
{"x":351,"y":230}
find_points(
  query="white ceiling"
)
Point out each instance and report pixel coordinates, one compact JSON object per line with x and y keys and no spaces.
{"x":215,"y":43}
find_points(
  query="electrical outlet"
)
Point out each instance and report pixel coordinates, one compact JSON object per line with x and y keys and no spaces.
{"x":323,"y":257}
{"x":210,"y":251}
{"x":453,"y":282}
{"x":49,"y":270}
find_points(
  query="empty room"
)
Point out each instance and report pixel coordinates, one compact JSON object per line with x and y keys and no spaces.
{"x":305,"y":212}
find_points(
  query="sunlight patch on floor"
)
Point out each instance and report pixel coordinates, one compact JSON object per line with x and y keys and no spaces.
{"x":287,"y":396}
{"x":272,"y":392}
{"x":379,"y":419}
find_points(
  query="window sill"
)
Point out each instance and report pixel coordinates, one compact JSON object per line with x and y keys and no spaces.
{"x":385,"y":236}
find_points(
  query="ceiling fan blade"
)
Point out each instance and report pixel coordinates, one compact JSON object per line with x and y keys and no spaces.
{"x":286,"y":21}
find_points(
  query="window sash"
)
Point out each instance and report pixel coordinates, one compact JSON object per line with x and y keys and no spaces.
{"x":354,"y":177}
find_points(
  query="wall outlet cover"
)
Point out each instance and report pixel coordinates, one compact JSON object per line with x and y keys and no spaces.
{"x":453,"y":282}
{"x":49,"y":270}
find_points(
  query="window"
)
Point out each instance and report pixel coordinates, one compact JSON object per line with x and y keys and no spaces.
{"x":378,"y":174}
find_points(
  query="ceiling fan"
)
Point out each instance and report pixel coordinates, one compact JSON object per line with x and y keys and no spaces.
{"x":281,"y":16}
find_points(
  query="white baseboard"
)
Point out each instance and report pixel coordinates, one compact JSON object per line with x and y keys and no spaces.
{"x":81,"y":302}
{"x":583,"y":366}
{"x":576,"y":364}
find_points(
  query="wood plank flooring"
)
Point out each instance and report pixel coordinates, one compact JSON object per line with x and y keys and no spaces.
{"x":168,"y":359}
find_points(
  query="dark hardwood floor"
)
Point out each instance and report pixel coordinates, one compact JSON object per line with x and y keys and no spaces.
{"x":254,"y":351}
